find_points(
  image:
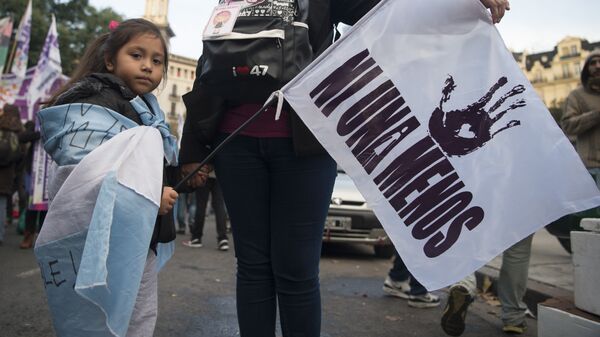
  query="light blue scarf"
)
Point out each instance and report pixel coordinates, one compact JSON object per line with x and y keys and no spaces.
{"x":71,"y":131}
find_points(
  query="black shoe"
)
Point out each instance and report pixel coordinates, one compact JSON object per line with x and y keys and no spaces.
{"x":455,"y":312}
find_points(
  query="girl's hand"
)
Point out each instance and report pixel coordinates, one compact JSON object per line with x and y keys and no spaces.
{"x":200,"y":178}
{"x":497,"y":7}
{"x":167,"y":201}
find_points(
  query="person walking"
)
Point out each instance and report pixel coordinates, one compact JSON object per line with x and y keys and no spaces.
{"x":400,"y":283}
{"x":33,"y":218}
{"x":10,"y":128}
{"x":512,"y":285}
{"x":218,"y":205}
{"x":581,"y":118}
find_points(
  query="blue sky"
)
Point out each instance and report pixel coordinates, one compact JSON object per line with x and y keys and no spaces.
{"x":533,"y":25}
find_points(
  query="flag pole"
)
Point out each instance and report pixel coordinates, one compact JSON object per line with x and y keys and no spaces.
{"x":223,"y":143}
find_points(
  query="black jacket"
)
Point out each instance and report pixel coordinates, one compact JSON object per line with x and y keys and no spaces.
{"x":109,"y":91}
{"x":204,"y":112}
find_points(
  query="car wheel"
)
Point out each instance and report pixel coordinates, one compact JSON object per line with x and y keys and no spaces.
{"x":384,"y":251}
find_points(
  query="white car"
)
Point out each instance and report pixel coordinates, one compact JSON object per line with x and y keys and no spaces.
{"x":351,"y":220}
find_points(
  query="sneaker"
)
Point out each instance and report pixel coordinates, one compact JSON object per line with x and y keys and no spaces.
{"x":518,"y":329}
{"x":223,"y":245}
{"x":396,"y":288}
{"x":455,"y":312}
{"x":194,"y":243}
{"x":427,"y":300}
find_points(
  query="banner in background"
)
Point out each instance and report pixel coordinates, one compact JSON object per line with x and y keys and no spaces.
{"x":48,"y":69}
{"x":21,"y":56}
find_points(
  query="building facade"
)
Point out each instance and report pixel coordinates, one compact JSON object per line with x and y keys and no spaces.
{"x":555,"y":73}
{"x":180,"y":75}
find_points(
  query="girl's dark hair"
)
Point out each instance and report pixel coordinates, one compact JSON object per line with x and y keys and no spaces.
{"x":107,"y":45}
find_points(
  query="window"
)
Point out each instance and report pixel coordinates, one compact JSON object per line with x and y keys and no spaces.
{"x":171,"y":70}
{"x":173,"y":107}
{"x":565,"y":50}
{"x":193,"y":74}
{"x":577,"y":68}
{"x":178,"y":72}
{"x":566,"y":71}
{"x":174,"y":91}
{"x":573,"y":50}
{"x":185,"y":72}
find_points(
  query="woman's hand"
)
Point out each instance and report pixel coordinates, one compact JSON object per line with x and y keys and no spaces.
{"x":167,"y":201}
{"x":497,"y":8}
{"x":199,"y":179}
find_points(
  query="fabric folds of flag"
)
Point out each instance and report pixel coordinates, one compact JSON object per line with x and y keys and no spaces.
{"x":426,"y":109}
{"x":95,"y":240}
{"x":47,"y":70}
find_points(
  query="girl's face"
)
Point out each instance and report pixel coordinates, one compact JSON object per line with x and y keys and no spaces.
{"x":139,"y":63}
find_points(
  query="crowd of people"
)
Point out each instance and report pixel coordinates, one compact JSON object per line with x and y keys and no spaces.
{"x":16,"y":175}
{"x":274,"y":178}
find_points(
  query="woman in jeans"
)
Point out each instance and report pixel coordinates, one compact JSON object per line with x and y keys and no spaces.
{"x":277,"y":182}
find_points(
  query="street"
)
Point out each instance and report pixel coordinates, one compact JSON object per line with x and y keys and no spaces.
{"x":197,"y":296}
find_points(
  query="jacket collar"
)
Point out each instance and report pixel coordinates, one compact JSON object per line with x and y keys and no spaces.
{"x":94,"y":84}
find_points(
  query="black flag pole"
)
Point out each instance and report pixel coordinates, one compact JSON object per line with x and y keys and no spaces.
{"x":223,"y":143}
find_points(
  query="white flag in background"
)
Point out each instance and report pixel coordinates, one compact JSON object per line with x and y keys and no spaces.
{"x":19,"y":63}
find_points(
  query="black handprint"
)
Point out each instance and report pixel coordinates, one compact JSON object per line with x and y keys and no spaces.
{"x":446,"y":127}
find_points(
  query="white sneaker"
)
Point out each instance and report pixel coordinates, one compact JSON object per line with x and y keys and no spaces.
{"x":223,"y":245}
{"x":427,"y":300}
{"x":194,"y":243}
{"x":396,"y":288}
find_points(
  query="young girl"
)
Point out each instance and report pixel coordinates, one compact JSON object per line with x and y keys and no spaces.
{"x":81,"y":241}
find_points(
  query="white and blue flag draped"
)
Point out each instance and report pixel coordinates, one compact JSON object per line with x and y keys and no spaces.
{"x":95,"y":240}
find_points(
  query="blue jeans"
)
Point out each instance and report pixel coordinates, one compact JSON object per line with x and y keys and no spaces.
{"x":277,"y":204}
{"x":399,"y":273}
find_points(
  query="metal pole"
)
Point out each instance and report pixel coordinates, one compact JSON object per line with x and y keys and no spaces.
{"x":223,"y":143}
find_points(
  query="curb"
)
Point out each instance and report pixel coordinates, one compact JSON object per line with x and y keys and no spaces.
{"x":537,"y":292}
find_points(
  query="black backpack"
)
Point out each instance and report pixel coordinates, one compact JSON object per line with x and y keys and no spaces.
{"x":268,"y":47}
{"x":10,"y":151}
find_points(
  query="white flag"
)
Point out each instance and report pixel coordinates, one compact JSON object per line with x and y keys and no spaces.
{"x":48,"y":69}
{"x":21,"y":56}
{"x":425,"y":108}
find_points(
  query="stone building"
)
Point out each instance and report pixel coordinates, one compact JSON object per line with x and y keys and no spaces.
{"x":556,"y":72}
{"x":181,"y":73}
